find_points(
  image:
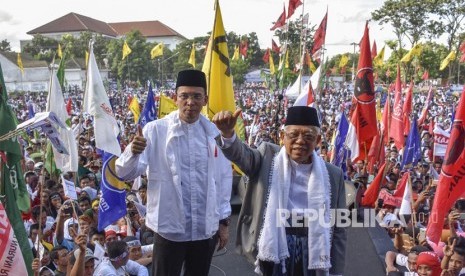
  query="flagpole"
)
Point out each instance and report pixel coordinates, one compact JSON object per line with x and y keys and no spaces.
{"x":209,"y":48}
{"x":409,"y":183}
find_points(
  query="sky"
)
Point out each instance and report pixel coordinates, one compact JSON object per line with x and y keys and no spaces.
{"x":193,"y":18}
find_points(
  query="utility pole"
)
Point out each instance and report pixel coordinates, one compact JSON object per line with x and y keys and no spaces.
{"x":353,"y":60}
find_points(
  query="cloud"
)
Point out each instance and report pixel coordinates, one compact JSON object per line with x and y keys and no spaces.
{"x":5,"y":17}
{"x":360,"y":16}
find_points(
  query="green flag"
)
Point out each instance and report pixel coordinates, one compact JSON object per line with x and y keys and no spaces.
{"x":11,"y":147}
{"x":12,"y":184}
{"x":49,"y":163}
{"x":61,"y":72}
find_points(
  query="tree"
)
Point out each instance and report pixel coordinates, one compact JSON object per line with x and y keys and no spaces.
{"x":409,"y":18}
{"x":42,"y":48}
{"x":5,"y":46}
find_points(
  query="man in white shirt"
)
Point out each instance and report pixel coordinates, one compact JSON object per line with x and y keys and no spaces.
{"x":118,"y":263}
{"x":189,"y":181}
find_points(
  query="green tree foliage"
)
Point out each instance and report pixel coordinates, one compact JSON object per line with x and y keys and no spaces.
{"x":452,"y":14}
{"x":42,"y":48}
{"x":5,"y":46}
{"x":409,"y":18}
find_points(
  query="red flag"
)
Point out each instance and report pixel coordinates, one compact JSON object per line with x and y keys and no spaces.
{"x":363,"y":126}
{"x":452,"y":179}
{"x":69,"y":106}
{"x":462,"y":49}
{"x":375,"y":151}
{"x":11,"y":258}
{"x":386,"y":119}
{"x":374,"y":50}
{"x":424,"y":111}
{"x":266,"y":56}
{"x":320,"y":34}
{"x":275,"y":47}
{"x":371,"y":194}
{"x":407,"y":109}
{"x":425,"y":75}
{"x":401,"y":186}
{"x":310,"y":98}
{"x":293,"y":5}
{"x":243,"y":48}
{"x":281,"y":20}
{"x":397,"y":122}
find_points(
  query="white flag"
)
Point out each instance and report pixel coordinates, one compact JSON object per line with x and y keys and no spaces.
{"x":406,"y":206}
{"x":56,"y":104}
{"x":69,"y":188}
{"x":97,"y":104}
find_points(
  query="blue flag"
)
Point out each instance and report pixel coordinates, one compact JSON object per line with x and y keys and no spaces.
{"x":150,"y":111}
{"x":30,"y":111}
{"x":412,"y":150}
{"x":340,"y":152}
{"x":112,"y":205}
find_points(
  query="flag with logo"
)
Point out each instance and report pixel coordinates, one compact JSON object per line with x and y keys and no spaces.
{"x":412,"y":150}
{"x":135,"y":109}
{"x":450,"y":57}
{"x":97,"y":104}
{"x":20,"y":63}
{"x":149,"y":113}
{"x":218,"y":71}
{"x":452,"y":178}
{"x":126,"y":49}
{"x":407,"y":109}
{"x":192,"y":56}
{"x":157,"y":50}
{"x":13,"y":187}
{"x":363,"y":125}
{"x":56,"y":103}
{"x":396,"y":130}
{"x":379,"y":58}
{"x":166,"y":106}
{"x":112,"y":205}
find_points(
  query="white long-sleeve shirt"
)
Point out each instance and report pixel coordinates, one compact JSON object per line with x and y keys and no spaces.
{"x":189,"y":179}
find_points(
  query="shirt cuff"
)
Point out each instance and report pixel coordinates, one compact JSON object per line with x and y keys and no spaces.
{"x":227,"y":142}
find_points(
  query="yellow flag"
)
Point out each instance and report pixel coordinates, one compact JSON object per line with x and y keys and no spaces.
{"x":379,"y":59}
{"x":135,"y":109}
{"x":272,"y":69}
{"x":126,"y":50}
{"x":236,"y":53}
{"x":450,"y":57}
{"x":166,"y":106}
{"x":59,"y":52}
{"x":20,"y":63}
{"x":87,"y":58}
{"x":414,"y":52}
{"x":312,"y":67}
{"x":192,"y":56}
{"x":218,"y":71}
{"x":344,"y":60}
{"x":157,"y":50}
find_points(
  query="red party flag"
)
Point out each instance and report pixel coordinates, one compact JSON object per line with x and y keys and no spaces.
{"x":407,"y":109}
{"x":374,"y":50}
{"x":371,"y":194}
{"x":425,"y":75}
{"x":397,"y":121}
{"x":451,"y":183}
{"x":320,"y":35}
{"x":293,"y":5}
{"x":281,"y":20}
{"x":243,"y":48}
{"x":275,"y":47}
{"x":266,"y":56}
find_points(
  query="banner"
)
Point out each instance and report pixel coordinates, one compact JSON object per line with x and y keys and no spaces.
{"x":441,"y":139}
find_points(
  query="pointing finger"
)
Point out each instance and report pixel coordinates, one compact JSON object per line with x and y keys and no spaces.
{"x":237,"y":113}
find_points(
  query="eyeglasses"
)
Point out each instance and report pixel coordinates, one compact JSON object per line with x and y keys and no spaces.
{"x":306,"y":136}
{"x":194,"y":96}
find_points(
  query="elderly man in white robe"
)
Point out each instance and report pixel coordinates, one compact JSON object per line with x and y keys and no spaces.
{"x":290,"y":197}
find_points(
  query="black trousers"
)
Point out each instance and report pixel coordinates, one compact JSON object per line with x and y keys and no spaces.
{"x":170,"y":256}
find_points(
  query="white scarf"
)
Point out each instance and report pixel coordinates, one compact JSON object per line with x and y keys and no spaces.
{"x":272,"y":243}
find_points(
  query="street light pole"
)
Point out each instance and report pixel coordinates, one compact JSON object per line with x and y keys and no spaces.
{"x":353,"y":61}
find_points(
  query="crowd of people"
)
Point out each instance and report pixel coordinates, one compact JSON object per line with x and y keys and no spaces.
{"x":70,"y":243}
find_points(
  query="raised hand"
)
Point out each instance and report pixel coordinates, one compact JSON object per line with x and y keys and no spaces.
{"x":225,"y":122}
{"x":139,"y":143}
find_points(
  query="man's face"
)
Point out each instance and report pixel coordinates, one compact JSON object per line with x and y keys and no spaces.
{"x":84,"y":227}
{"x":190,"y":101}
{"x":300,"y":142}
{"x":89,"y":268}
{"x":63,"y":257}
{"x":84,"y":182}
{"x":456,"y":263}
{"x":135,"y":253}
{"x":97,"y":238}
{"x":84,"y":205}
{"x":412,"y":262}
{"x":143,"y":194}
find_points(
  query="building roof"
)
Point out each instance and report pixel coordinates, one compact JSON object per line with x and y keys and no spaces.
{"x":73,"y":22}
{"x":147,"y":28}
{"x":27,"y":60}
